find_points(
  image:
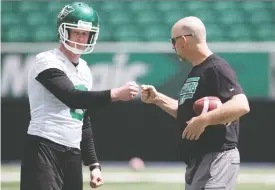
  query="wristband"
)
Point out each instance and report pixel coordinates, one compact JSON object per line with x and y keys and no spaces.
{"x":94,"y":167}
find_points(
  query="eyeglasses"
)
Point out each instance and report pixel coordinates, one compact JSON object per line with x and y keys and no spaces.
{"x":173,"y":40}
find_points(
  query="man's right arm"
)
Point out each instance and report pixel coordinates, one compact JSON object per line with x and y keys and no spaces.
{"x":150,"y":95}
{"x":168,"y":104}
{"x":58,"y":83}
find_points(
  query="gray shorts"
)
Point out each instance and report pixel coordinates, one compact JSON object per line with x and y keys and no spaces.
{"x":215,"y":171}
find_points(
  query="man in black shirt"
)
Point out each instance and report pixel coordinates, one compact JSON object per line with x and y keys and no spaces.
{"x":209,"y":141}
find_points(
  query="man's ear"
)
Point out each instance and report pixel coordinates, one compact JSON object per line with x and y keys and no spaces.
{"x":183,"y":42}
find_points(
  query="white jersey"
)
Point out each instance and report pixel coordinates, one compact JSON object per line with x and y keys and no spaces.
{"x":50,"y":118}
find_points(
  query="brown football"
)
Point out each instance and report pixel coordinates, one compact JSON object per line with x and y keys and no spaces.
{"x":206,"y":104}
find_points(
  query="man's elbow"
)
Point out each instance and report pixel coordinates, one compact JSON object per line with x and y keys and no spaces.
{"x":245,"y":109}
{"x":243,"y":104}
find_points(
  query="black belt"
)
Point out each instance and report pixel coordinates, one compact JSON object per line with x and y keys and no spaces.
{"x":189,"y":158}
{"x":59,"y":147}
{"x":226,"y":149}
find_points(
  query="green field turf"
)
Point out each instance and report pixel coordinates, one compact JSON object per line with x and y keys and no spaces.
{"x":163,"y":169}
{"x":149,"y":186}
{"x":251,"y":178}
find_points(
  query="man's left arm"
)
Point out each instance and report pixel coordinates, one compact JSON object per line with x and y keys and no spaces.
{"x":88,"y":153}
{"x":231,"y":93}
{"x":230,"y":111}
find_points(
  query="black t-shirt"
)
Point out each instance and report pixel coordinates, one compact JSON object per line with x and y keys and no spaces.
{"x":213,"y":77}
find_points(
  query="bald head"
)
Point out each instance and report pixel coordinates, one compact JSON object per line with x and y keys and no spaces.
{"x":190,"y":25}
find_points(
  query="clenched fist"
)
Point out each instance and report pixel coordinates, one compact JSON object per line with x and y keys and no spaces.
{"x":126,"y":92}
{"x":149,"y":94}
{"x":96,"y":178}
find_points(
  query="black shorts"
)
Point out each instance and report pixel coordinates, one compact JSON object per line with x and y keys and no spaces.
{"x":49,"y":166}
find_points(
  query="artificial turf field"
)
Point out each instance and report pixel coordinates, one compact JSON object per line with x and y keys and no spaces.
{"x":150,"y":186}
{"x":153,"y":178}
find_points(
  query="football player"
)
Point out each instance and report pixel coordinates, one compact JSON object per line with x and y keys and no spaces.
{"x":59,"y":135}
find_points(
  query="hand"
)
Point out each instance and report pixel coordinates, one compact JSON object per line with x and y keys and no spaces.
{"x":195,"y":128}
{"x":126,"y":92}
{"x":96,"y":178}
{"x":149,"y":94}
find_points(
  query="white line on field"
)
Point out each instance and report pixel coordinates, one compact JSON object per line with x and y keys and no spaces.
{"x":130,"y":177}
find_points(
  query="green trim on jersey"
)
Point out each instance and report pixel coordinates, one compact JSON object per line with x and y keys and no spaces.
{"x":78,"y":113}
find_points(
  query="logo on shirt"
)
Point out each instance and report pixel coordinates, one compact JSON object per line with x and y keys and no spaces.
{"x":188,"y":90}
{"x":78,"y":113}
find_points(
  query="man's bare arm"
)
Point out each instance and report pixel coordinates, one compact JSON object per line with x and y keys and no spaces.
{"x":229,"y":111}
{"x":150,"y":95}
{"x":168,"y":104}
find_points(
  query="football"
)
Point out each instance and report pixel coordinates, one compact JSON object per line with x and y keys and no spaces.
{"x":137,"y":164}
{"x":206,"y":104}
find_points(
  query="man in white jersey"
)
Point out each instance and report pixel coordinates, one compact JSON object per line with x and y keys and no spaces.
{"x":59,"y":136}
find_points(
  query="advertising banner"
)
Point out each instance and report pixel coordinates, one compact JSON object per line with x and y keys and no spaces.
{"x":162,"y":70}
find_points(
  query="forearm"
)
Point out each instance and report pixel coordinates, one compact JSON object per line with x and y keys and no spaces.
{"x":87,"y":146}
{"x":167,"y":104}
{"x":228,"y":112}
{"x":88,"y":152}
{"x":84,"y":99}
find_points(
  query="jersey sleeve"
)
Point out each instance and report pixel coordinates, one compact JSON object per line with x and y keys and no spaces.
{"x":91,"y":81}
{"x":227,"y":84}
{"x":46,"y":61}
{"x":90,"y":77}
{"x":88,"y":72}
